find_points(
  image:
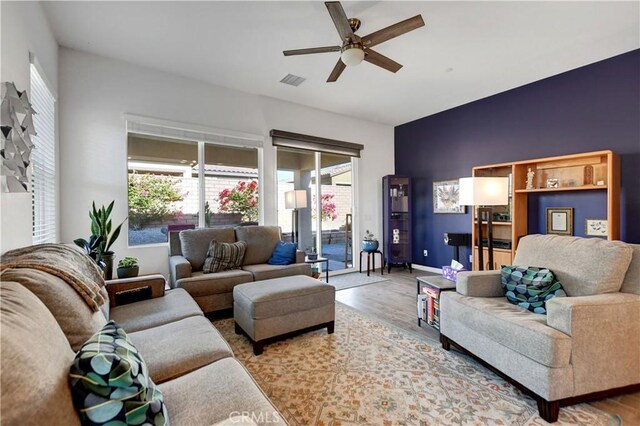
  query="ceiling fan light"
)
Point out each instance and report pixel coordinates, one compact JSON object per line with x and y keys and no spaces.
{"x":352,"y":56}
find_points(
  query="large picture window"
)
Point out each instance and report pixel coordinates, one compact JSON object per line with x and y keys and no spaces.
{"x":177,"y":184}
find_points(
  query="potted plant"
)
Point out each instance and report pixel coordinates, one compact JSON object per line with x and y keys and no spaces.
{"x":369,"y":242}
{"x":91,"y":248}
{"x":102,"y":228}
{"x":128,"y":267}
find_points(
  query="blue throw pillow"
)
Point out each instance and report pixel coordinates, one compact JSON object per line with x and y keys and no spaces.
{"x":284,"y":254}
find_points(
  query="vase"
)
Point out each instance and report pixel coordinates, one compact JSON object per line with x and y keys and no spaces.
{"x":370,"y":245}
{"x":128,"y":272}
{"x":107,"y":258}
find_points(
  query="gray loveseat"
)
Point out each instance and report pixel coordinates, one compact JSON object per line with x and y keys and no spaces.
{"x":587,"y":346}
{"x":44,"y":321}
{"x":214,"y":291}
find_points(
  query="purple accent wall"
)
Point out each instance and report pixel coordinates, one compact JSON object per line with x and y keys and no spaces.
{"x":591,"y":108}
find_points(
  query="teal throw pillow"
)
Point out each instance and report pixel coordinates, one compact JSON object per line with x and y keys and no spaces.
{"x":530,"y":287}
{"x":110,"y":382}
{"x":283,"y":254}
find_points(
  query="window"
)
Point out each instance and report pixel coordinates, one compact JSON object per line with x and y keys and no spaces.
{"x":43,"y":176}
{"x":173,"y":181}
{"x":231,"y":185}
{"x":164,"y":193}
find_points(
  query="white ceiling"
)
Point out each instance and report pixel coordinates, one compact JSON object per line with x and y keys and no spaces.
{"x":491,"y":47}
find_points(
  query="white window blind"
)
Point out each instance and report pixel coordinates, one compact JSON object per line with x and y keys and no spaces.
{"x":43,"y":160}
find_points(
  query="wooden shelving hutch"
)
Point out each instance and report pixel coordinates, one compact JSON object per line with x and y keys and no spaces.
{"x":590,"y":171}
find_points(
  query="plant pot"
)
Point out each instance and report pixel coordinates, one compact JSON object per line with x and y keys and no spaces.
{"x":370,"y":246}
{"x":107,"y":258}
{"x":130,"y":272}
{"x":312,"y":256}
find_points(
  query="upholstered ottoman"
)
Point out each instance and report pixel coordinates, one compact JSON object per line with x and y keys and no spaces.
{"x":269,"y":310}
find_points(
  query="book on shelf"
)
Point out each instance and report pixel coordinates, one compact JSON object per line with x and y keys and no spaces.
{"x":432,"y":302}
{"x":422,"y":306}
{"x":431,"y":290}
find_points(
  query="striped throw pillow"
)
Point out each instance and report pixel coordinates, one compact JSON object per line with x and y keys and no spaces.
{"x":224,"y":256}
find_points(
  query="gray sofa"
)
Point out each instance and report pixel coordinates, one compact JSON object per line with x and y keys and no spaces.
{"x":586,"y":347}
{"x":214,"y":292}
{"x":44,"y":321}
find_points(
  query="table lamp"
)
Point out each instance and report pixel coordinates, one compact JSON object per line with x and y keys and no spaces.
{"x":295,"y":200}
{"x":484,"y":192}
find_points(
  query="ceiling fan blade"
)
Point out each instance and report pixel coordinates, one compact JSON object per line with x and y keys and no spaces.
{"x":393,"y":31}
{"x":340,"y":20}
{"x":311,"y":50}
{"x":337,"y":70}
{"x":382,"y":61}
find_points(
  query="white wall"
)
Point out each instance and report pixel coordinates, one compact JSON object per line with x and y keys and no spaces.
{"x":24,"y":29}
{"x":96,"y":92}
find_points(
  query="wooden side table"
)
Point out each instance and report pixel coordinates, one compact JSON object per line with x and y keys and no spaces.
{"x":438,"y":284}
{"x":372,"y":255}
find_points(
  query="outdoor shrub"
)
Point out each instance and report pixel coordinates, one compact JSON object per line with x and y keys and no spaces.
{"x":243,"y":198}
{"x":153,"y":198}
{"x":328,"y":207}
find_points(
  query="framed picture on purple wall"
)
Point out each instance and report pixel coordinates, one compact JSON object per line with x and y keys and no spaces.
{"x":596,"y":227}
{"x":560,"y":220}
{"x":446,"y":195}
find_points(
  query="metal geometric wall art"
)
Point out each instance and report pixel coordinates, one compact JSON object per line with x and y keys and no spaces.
{"x":16,"y":119}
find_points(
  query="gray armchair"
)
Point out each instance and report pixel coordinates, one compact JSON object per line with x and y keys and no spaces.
{"x":587,"y":346}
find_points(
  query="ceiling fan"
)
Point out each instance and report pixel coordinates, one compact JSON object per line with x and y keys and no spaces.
{"x":354,"y":48}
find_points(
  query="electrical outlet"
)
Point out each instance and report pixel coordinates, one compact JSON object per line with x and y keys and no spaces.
{"x":470,"y":258}
{"x":425,"y":253}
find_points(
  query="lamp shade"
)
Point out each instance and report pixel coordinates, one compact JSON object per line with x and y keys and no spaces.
{"x":295,"y":199}
{"x":484,"y":191}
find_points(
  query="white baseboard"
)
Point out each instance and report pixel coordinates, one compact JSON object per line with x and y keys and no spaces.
{"x":426,"y":268}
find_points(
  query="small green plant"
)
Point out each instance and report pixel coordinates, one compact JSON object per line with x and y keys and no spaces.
{"x":368,"y":236}
{"x":101,"y":226}
{"x":102,"y":234}
{"x":91,"y":248}
{"x":128,"y":262}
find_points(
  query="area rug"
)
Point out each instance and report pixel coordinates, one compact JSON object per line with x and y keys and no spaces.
{"x":370,"y":372}
{"x":354,"y":279}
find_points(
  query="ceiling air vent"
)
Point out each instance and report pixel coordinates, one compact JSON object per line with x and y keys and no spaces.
{"x":292,"y":80}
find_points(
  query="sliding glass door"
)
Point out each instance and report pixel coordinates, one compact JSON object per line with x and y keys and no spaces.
{"x":324,"y":221}
{"x":336,"y":212}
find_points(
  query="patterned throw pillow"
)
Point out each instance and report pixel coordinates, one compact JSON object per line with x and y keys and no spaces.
{"x":530,"y":287}
{"x":110,"y":382}
{"x":224,"y":256}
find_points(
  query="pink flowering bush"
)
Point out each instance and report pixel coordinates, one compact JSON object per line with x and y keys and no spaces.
{"x":153,"y":198}
{"x":328,"y":207}
{"x":243,"y":198}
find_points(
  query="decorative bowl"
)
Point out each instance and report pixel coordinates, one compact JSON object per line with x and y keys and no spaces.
{"x":370,"y":245}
